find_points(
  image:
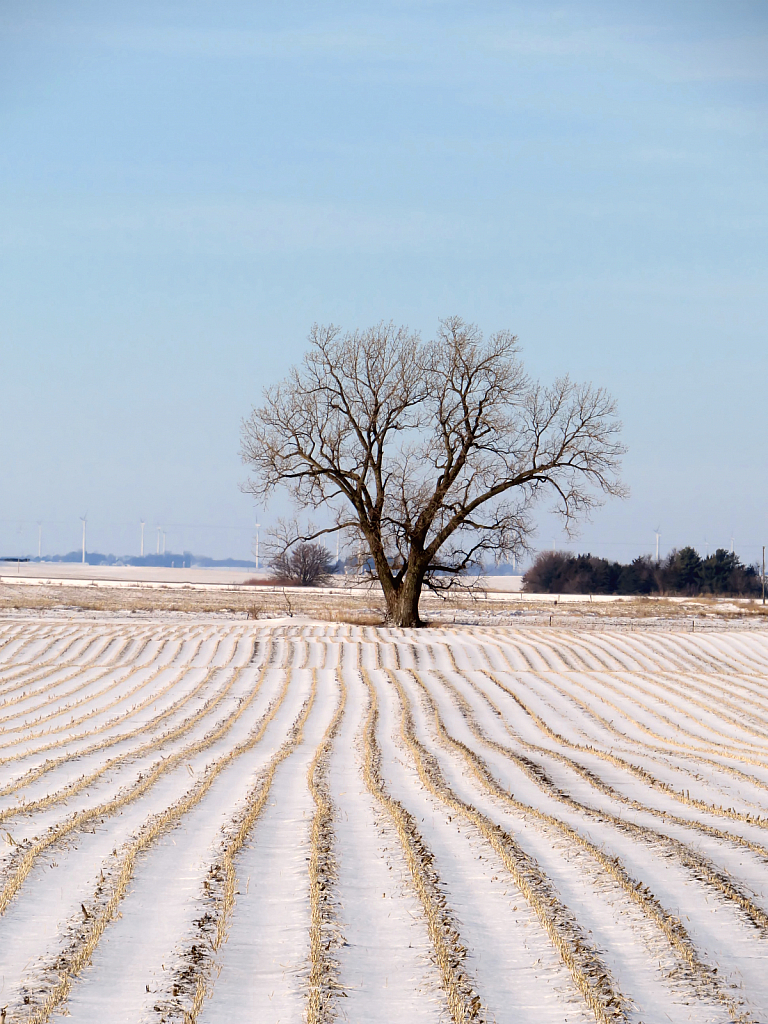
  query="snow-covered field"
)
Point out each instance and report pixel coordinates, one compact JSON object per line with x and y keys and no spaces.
{"x":234,"y":821}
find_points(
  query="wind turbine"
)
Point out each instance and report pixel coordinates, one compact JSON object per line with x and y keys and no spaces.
{"x":84,"y":520}
{"x":158,"y":539}
{"x":657,"y":531}
{"x":142,"y":538}
{"x":39,"y":538}
{"x":257,"y":545}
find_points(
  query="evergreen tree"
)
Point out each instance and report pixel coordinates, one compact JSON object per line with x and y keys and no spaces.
{"x":683,"y":573}
{"x":716,"y":571}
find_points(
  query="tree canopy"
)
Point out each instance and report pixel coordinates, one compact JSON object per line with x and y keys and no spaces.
{"x":432,"y":454}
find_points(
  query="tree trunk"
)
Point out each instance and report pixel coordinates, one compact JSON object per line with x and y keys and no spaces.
{"x":403,"y":603}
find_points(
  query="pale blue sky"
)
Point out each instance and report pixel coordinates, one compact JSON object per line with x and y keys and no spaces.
{"x":185,"y":187}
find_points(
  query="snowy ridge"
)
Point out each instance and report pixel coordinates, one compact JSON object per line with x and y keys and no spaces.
{"x":235,"y":821}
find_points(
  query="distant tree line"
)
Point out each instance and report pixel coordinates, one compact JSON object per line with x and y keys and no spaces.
{"x":184,"y":560}
{"x":683,"y":573}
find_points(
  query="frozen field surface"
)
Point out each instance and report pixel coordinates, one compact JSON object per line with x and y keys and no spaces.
{"x":224,"y":821}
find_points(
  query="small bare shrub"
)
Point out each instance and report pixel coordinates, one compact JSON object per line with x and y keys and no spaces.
{"x":305,"y":565}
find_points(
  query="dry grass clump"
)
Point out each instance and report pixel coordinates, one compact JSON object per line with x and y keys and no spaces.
{"x":328,"y":608}
{"x":271,"y":581}
{"x":365,"y":606}
{"x":355,"y":617}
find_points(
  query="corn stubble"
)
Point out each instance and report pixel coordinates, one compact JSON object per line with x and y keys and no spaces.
{"x":640,"y":702}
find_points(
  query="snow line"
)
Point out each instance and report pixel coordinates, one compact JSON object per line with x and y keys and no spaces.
{"x":107,"y":726}
{"x":39,"y":666}
{"x":28,"y":636}
{"x":669,"y":925}
{"x":658,"y":699}
{"x":221,"y":883}
{"x":42,"y":668}
{"x":498,"y":739}
{"x":28,"y":695}
{"x":76,"y":786}
{"x":323,"y":973}
{"x":90,"y":697}
{"x":595,"y":781}
{"x":641,"y":773}
{"x":134,"y":710}
{"x":590,"y":973}
{"x":703,"y":868}
{"x":670,"y":685}
{"x":151,"y":830}
{"x":47,"y":682}
{"x":153,"y":723}
{"x":590,"y":711}
{"x":57,"y":832}
{"x":464,"y":1003}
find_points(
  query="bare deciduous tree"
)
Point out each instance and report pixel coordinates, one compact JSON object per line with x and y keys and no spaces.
{"x":432,"y":453}
{"x":309,"y":565}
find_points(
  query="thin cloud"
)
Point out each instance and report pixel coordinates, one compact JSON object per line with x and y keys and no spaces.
{"x":657,"y":50}
{"x":232,"y":228}
{"x":210,"y":42}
